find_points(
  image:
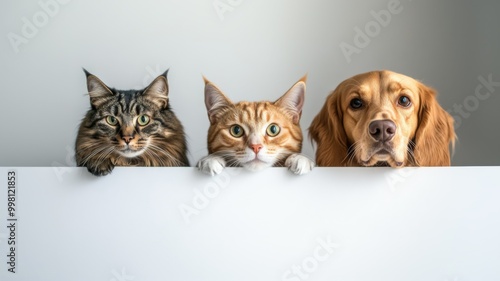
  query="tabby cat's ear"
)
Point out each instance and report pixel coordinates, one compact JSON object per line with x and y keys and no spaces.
{"x":98,"y":91}
{"x":293,"y":100}
{"x":157,"y":91}
{"x":215,"y":101}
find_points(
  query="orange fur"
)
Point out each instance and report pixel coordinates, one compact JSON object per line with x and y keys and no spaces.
{"x":423,"y":129}
{"x":255,"y":147}
{"x":254,"y":117}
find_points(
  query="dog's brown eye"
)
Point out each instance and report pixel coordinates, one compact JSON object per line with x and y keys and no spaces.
{"x":356,"y":103}
{"x":404,"y":101}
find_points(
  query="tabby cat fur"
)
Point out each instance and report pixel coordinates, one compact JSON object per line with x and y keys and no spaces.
{"x":129,"y":128}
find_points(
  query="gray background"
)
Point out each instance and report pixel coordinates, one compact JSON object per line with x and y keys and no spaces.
{"x":256,"y":51}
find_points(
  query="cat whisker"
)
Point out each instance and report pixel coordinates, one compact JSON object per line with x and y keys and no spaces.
{"x":105,"y":154}
{"x":153,"y":156}
{"x":90,"y":146}
{"x":94,"y":153}
{"x":102,"y":157}
{"x":170,"y":157}
{"x":224,"y":152}
{"x":233,"y":163}
{"x":168,"y":160}
{"x":230,"y":157}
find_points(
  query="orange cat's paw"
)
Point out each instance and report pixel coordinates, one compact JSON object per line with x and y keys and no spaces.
{"x":299,"y":164}
{"x":211,"y":164}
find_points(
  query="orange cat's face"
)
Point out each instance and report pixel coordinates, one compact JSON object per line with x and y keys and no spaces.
{"x":254,"y":135}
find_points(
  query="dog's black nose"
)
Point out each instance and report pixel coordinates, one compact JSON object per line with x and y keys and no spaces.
{"x":382,"y":130}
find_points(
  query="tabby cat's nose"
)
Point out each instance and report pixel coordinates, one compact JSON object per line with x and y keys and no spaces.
{"x":127,"y":139}
{"x":256,"y":147}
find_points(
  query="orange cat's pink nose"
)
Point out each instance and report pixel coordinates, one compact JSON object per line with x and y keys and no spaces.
{"x":256,"y":147}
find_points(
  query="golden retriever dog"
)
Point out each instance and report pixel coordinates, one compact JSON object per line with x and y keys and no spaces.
{"x":382,"y":118}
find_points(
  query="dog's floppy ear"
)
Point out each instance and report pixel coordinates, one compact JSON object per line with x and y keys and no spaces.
{"x":327,"y":131}
{"x":435,"y":131}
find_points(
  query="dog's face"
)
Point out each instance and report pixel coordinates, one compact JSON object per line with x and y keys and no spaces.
{"x":382,"y":118}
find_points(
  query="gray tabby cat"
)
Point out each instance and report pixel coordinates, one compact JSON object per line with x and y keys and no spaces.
{"x":129,"y":128}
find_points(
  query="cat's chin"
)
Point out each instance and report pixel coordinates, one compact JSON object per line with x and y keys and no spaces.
{"x":129,"y":153}
{"x":256,"y":165}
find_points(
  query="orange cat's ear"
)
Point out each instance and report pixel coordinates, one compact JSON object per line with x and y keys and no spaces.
{"x":293,"y":100}
{"x":98,"y":91}
{"x":157,"y":91}
{"x":215,"y":101}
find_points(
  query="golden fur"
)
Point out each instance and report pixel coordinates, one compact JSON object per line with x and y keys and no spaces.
{"x":420,"y":134}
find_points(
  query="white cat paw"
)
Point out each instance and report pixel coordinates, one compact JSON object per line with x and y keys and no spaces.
{"x":299,"y":164}
{"x":211,"y":164}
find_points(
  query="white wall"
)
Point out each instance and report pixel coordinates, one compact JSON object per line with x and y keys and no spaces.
{"x":256,"y":51}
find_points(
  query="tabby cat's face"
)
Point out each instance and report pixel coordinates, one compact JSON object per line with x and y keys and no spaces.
{"x":126,"y":121}
{"x":254,"y":135}
{"x":129,"y":124}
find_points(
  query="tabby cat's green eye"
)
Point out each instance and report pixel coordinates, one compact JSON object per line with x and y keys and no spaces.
{"x":273,"y":130}
{"x":143,"y":120}
{"x":236,"y":131}
{"x":111,"y":120}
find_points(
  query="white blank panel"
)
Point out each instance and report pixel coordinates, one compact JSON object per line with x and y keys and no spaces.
{"x":377,"y":224}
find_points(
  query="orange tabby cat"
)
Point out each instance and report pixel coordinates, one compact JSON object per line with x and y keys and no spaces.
{"x":255,"y":135}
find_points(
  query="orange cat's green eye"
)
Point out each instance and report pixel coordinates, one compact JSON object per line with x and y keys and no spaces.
{"x":111,"y":120}
{"x":143,"y":120}
{"x":273,"y":130}
{"x":236,"y":131}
